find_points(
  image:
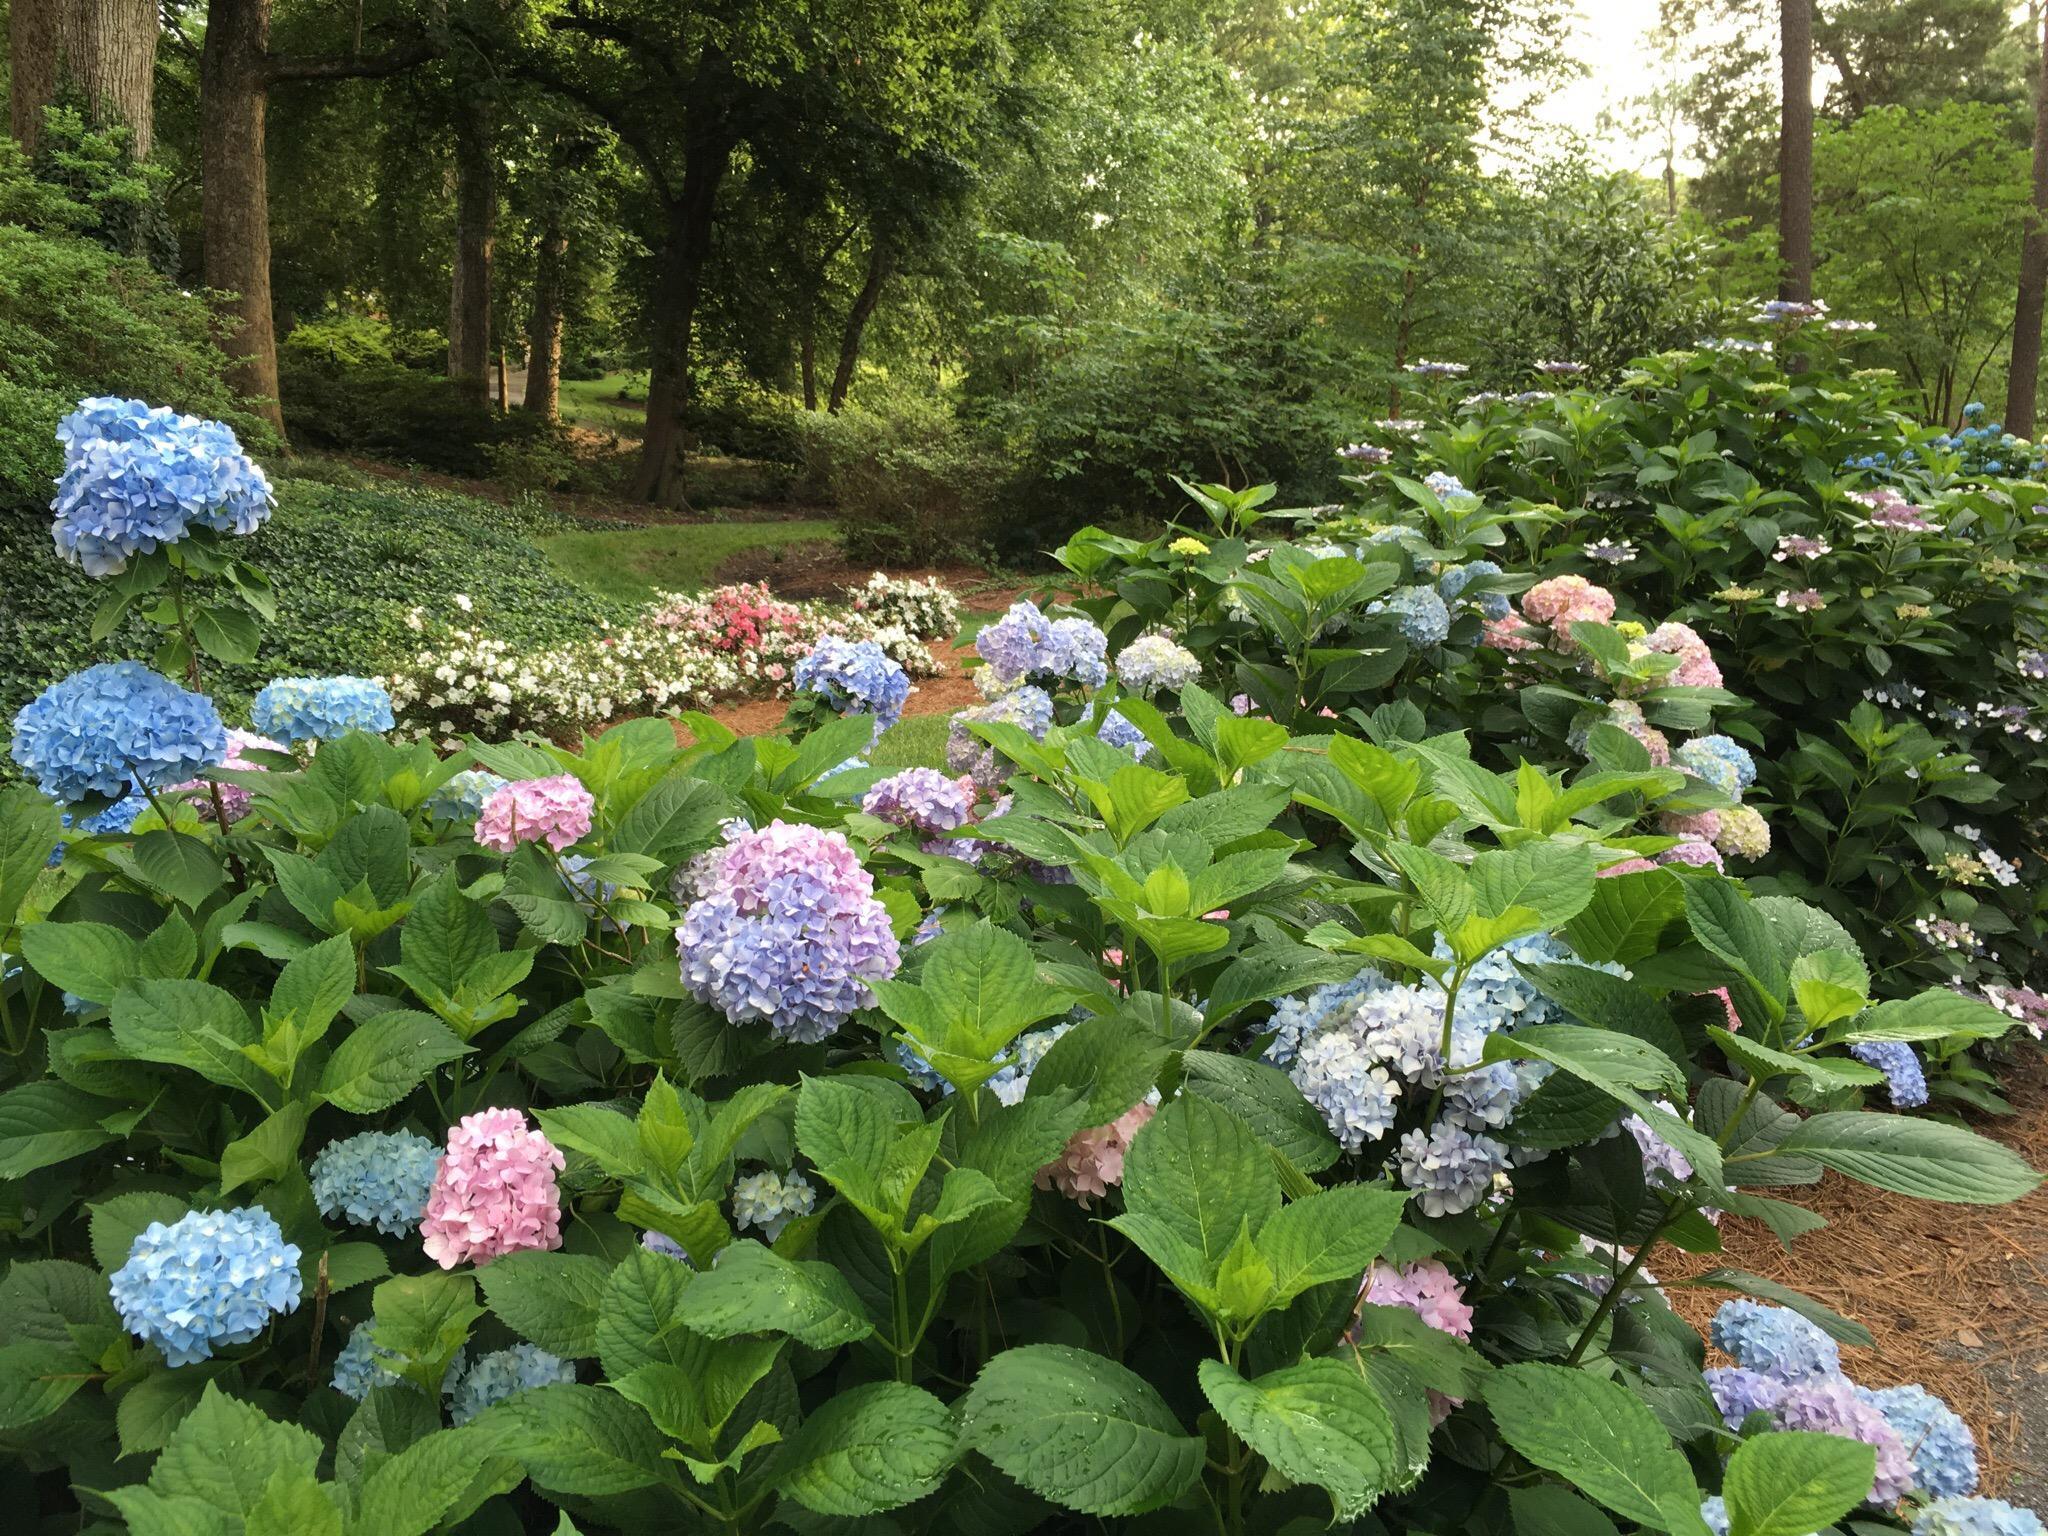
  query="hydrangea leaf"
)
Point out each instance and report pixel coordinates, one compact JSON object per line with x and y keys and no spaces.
{"x":876,"y":1447}
{"x":756,"y":1290}
{"x":385,"y":1059}
{"x":1320,"y":1422}
{"x":1922,"y":1158}
{"x":1598,"y":1436}
{"x":550,"y":1298}
{"x":1792,"y":1484}
{"x":1197,"y":1169}
{"x":91,"y":960}
{"x":577,"y":1439}
{"x":1080,"y":1430}
{"x":45,"y":1123}
{"x":226,"y":1452}
{"x":1333,"y":1234}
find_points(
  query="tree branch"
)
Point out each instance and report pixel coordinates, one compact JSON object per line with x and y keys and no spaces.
{"x":392,"y":61}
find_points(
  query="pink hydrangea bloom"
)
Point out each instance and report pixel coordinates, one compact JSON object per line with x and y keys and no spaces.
{"x":233,"y":798}
{"x":1700,"y":824}
{"x":1564,"y":601}
{"x":1094,"y":1159}
{"x":555,"y":810}
{"x":1694,"y":851}
{"x":1696,"y":666}
{"x":752,"y":860}
{"x":1431,"y":1292}
{"x":1626,"y":867}
{"x":494,"y":1192}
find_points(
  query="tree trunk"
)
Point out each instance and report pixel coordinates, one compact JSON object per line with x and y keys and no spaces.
{"x":504,"y":384}
{"x":880,"y":264}
{"x":544,"y":326}
{"x":1795,"y":150}
{"x":2025,"y":371}
{"x":671,"y":319}
{"x":105,"y":49}
{"x":234,"y":193}
{"x":469,"y":290}
{"x":807,"y":360}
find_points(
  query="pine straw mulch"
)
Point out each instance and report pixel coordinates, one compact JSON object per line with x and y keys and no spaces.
{"x":1955,"y":1296}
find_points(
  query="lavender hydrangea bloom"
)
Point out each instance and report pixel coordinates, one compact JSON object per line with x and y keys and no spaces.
{"x":1775,"y":1341}
{"x":462,"y":797}
{"x":1833,"y":1405}
{"x":320,"y":708}
{"x":1943,"y":1450}
{"x":1445,"y":484}
{"x":136,"y":478}
{"x":1152,"y":663}
{"x":114,"y":728}
{"x":1024,"y":643}
{"x":1739,"y":1392}
{"x":1297,"y":1018}
{"x":376,"y":1179}
{"x":1120,"y":733}
{"x":1714,"y":1511}
{"x":855,"y":677}
{"x":1421,"y":616}
{"x":1356,"y":1096}
{"x":1028,"y":708}
{"x":922,"y":799}
{"x":1014,"y":1076}
{"x":1905,"y":1079}
{"x":1976,"y":1517}
{"x":1449,"y":1168}
{"x":666,"y":1246}
{"x":504,"y":1373}
{"x":208,"y":1279}
{"x":770,"y":1201}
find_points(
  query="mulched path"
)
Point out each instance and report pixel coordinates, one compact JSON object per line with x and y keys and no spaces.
{"x":1955,"y":1296}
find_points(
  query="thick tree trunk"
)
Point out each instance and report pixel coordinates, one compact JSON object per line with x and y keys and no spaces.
{"x":476,"y":219}
{"x":671,"y":320}
{"x":880,"y":264}
{"x":1795,"y":150}
{"x":234,"y":192}
{"x":544,"y":327}
{"x":104,"y":49}
{"x":2024,"y":374}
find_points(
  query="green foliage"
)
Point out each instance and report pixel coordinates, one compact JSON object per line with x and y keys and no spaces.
{"x":910,"y":482}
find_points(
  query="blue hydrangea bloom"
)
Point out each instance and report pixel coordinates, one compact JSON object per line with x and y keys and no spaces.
{"x":1152,"y":663}
{"x":770,"y":1201}
{"x":1739,"y":1392}
{"x":1421,"y":616}
{"x":802,"y":964}
{"x":1700,"y":754}
{"x":1028,"y":708}
{"x":1452,"y":584}
{"x":666,"y":1246}
{"x":136,"y":478}
{"x":78,"y":1006}
{"x":1354,"y":1092}
{"x":1976,"y":1517}
{"x":1775,"y":1341}
{"x":361,"y":1366}
{"x":376,"y":1179}
{"x":117,"y":820}
{"x":210,"y":1278}
{"x":1904,"y":1078}
{"x":1944,"y":1451}
{"x":321,"y":708}
{"x":462,"y":797}
{"x":1445,"y":484}
{"x":1120,"y":733}
{"x":855,"y":677}
{"x":1295,"y":1019}
{"x":1715,"y":1512}
{"x":1013,"y":1078}
{"x":502,"y":1373}
{"x":1449,"y":1168}
{"x":114,"y":728}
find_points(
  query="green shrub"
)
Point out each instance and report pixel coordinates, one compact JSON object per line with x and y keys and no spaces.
{"x":910,"y":480}
{"x":387,"y":410}
{"x":353,"y":340}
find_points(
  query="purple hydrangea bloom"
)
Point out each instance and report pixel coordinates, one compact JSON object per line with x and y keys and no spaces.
{"x":1120,"y":733}
{"x":666,"y":1246}
{"x":1739,"y":1392}
{"x":1833,"y":1405}
{"x":922,"y":799}
{"x":1449,"y":1168}
{"x":208,"y":1279}
{"x":1904,"y":1078}
{"x":1028,"y":708}
{"x":855,"y":677}
{"x":1024,"y":643}
{"x":789,"y":932}
{"x":114,"y":728}
{"x":1356,"y":1095}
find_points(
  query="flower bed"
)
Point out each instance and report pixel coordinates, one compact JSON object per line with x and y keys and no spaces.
{"x":1205,"y":1111}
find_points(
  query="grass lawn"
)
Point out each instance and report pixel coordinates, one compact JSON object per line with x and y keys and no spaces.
{"x":918,"y":741}
{"x":632,"y":564}
{"x":595,"y":403}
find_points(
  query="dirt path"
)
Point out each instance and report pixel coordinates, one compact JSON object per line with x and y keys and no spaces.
{"x":1955,"y":1296}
